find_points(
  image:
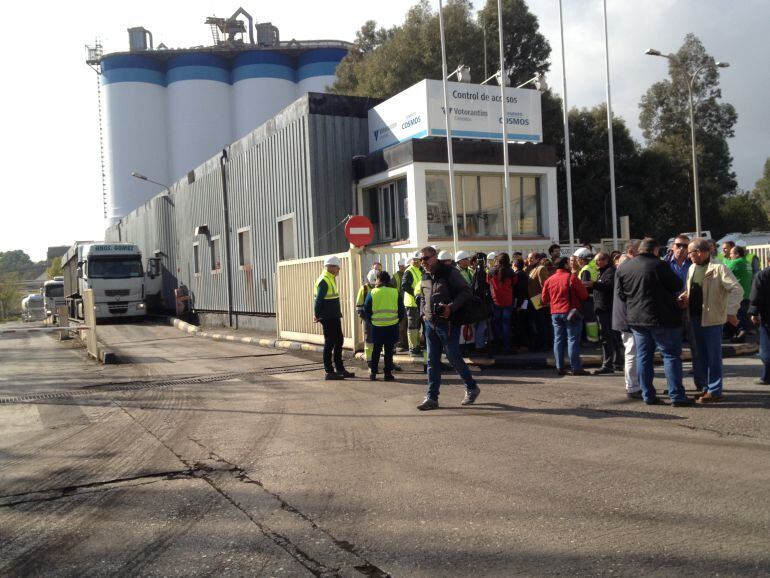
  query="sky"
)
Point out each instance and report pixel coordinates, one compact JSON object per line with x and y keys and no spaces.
{"x":49,"y":135}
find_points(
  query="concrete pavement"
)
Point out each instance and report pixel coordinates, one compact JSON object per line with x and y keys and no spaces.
{"x":229,"y":459}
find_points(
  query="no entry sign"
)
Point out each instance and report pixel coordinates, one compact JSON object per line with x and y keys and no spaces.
{"x":359,"y":230}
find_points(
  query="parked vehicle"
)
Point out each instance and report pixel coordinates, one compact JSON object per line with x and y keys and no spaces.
{"x":53,"y":294}
{"x":33,"y":307}
{"x":113,"y":271}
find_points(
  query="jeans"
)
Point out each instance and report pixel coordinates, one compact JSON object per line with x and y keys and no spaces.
{"x":503,"y":317}
{"x":333,"y":340}
{"x":569,"y":331}
{"x":669,"y":341}
{"x":630,"y":369}
{"x":378,"y":348}
{"x":743,"y":315}
{"x":708,"y":365}
{"x":480,"y":334}
{"x":764,"y":352}
{"x":610,"y":339}
{"x":444,"y":337}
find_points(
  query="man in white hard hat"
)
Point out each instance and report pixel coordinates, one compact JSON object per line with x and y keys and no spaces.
{"x":410,"y":285}
{"x":363,"y":291}
{"x":463,"y":260}
{"x":327,"y":311}
{"x":445,"y":257}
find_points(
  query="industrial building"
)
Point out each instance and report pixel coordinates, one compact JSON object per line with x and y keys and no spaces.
{"x":283,"y":191}
{"x":169,"y":110}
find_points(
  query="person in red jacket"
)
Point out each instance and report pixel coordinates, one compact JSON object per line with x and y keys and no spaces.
{"x":565,"y":293}
{"x":501,"y":282}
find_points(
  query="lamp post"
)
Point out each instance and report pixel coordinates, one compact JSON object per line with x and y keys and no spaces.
{"x":141,"y":177}
{"x":690,"y":82}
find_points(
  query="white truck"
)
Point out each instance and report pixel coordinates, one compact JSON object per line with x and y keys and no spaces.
{"x":113,"y":271}
{"x":33,"y":307}
{"x":53,"y":295}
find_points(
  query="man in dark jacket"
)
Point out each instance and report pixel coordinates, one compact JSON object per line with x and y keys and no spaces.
{"x":647,"y":285}
{"x":759,"y":309}
{"x":443,"y":292}
{"x":327,"y":311}
{"x":604,"y":290}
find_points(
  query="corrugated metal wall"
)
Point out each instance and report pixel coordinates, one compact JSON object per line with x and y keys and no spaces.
{"x":297,"y":163}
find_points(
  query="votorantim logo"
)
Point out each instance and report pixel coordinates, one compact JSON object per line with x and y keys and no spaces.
{"x":384,"y":132}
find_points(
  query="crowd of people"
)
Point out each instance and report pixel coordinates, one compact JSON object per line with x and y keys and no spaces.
{"x":633,"y":303}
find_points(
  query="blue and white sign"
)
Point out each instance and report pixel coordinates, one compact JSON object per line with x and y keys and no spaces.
{"x":476,"y":113}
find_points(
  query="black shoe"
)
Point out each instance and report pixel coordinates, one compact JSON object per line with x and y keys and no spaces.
{"x":345,"y":373}
{"x":578,"y":372}
{"x":333,"y":377}
{"x":761,"y":382}
{"x":560,"y":372}
{"x":372,"y":376}
{"x":389,"y":376}
{"x":397,"y":367}
{"x":603,"y":371}
{"x":416,"y":352}
{"x":619,"y":368}
{"x":428,"y":404}
{"x":634,"y":395}
{"x":686,"y":402}
{"x":654,"y":401}
{"x":402,"y":349}
{"x":470,"y":396}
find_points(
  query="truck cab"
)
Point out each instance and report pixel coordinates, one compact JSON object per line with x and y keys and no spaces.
{"x":53,"y":296}
{"x":113,"y":272}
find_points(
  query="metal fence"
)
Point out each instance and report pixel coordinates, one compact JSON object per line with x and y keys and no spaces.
{"x":761,"y":251}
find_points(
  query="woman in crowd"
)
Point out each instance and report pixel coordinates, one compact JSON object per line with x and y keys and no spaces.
{"x":501,"y":282}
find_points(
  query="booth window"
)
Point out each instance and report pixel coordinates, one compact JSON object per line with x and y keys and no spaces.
{"x":479,"y":205}
{"x":244,"y":247}
{"x":386,"y":207}
{"x":216,"y":256}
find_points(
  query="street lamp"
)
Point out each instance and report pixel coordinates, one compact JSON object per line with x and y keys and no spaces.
{"x":500,"y":77}
{"x":538,"y":80}
{"x":141,"y":177}
{"x":690,"y":82}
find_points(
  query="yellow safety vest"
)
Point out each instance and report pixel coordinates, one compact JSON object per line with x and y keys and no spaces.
{"x":331,"y":286}
{"x":410,"y":300}
{"x":593,"y":271}
{"x":384,"y":306}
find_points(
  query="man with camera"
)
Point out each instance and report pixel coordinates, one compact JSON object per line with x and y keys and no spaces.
{"x":444,"y":293}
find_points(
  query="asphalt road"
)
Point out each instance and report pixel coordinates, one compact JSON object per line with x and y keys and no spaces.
{"x":196,"y":457}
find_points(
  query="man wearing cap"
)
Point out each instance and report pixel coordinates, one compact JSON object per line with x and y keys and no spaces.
{"x":442,"y":293}
{"x":327,"y":311}
{"x":410,"y":285}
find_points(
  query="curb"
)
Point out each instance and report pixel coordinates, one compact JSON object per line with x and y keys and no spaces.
{"x":728,"y":350}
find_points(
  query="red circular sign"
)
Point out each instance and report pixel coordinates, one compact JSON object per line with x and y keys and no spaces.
{"x":359,"y":230}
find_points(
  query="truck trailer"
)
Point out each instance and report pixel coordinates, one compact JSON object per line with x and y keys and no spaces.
{"x":113,"y":271}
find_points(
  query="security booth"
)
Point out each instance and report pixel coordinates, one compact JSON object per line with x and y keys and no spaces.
{"x":403,"y":183}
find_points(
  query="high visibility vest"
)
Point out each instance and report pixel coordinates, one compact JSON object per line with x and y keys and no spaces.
{"x":593,"y":271}
{"x":361,"y":295}
{"x":467,"y":275}
{"x":384,"y":306}
{"x":331,"y":286}
{"x":410,"y":300}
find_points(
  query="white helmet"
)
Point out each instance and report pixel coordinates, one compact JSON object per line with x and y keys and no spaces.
{"x":582,"y":253}
{"x":444,"y":256}
{"x":416,"y":255}
{"x":462,"y":255}
{"x":332,"y":260}
{"x":371,"y":276}
{"x":491,"y":256}
{"x":402,"y":262}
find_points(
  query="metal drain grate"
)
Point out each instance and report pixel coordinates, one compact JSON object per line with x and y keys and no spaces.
{"x":139,"y":385}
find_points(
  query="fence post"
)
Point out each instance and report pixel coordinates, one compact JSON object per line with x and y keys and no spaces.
{"x":90,"y":319}
{"x":354,"y":280}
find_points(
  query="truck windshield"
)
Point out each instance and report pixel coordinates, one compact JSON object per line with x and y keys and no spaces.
{"x":54,"y":291}
{"x":115,"y":268}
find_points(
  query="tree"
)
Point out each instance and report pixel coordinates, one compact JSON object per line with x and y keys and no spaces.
{"x":665,"y":123}
{"x":10,"y":294}
{"x":389,"y":61}
{"x":14,"y":261}
{"x":743,"y":212}
{"x":55,"y":270}
{"x":761,"y":190}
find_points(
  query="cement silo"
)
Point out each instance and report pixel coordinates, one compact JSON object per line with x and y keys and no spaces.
{"x":136,"y":129}
{"x":199,"y":109}
{"x":316,"y":69}
{"x":263,"y":84}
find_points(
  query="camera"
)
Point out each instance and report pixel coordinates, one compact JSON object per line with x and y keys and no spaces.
{"x":438,"y":309}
